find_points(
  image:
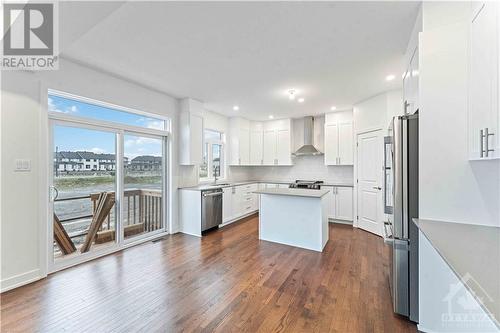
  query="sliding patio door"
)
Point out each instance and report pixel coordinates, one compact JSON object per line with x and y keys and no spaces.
{"x":107,"y":190}
{"x":83,"y":191}
{"x":143,"y":183}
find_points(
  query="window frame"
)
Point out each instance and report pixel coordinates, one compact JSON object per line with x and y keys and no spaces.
{"x":120,"y":129}
{"x":222,"y":163}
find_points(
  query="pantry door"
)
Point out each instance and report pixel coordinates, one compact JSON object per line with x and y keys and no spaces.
{"x":370,"y":156}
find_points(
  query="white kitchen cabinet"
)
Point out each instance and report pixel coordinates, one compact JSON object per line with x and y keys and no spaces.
{"x":339,"y":142}
{"x":239,"y":141}
{"x":227,"y":204}
{"x":343,"y":203}
{"x":277,"y":139}
{"x":331,"y":144}
{"x":411,"y":84}
{"x":269,"y":149}
{"x":260,"y":143}
{"x":484,"y":91}
{"x":340,"y":203}
{"x":256,"y":144}
{"x":346,"y":143}
{"x":191,"y":132}
{"x":239,"y":201}
{"x":283,"y":147}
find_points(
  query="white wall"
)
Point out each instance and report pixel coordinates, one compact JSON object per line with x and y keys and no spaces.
{"x":24,"y":135}
{"x":451,"y":187}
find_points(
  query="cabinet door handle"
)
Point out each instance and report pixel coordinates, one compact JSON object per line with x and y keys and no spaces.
{"x":481,"y":141}
{"x":487,"y":135}
{"x":239,"y":161}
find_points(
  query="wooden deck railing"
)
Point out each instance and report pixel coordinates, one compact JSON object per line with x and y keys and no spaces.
{"x":142,"y":211}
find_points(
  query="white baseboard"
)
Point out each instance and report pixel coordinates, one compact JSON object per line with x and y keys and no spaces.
{"x":20,"y":280}
{"x":340,"y":221}
{"x":236,"y":219}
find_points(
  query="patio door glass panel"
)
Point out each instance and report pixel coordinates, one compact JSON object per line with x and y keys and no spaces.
{"x":143,"y":197}
{"x":83,"y":190}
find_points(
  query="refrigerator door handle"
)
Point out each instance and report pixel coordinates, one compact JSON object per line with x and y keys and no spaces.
{"x":405,"y":180}
{"x":387,"y":150}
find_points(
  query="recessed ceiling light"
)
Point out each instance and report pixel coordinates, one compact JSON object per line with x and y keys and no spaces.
{"x":236,"y":108}
{"x":333,"y":108}
{"x":291,"y":94}
{"x":390,"y":77}
{"x":301,"y":100}
{"x":271,"y":116}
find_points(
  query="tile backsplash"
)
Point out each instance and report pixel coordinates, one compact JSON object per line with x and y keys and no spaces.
{"x":305,"y":167}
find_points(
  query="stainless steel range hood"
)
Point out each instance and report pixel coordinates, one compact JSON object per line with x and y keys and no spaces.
{"x":308,"y":146}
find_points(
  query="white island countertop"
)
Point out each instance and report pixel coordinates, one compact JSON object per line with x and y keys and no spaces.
{"x":298,"y":192}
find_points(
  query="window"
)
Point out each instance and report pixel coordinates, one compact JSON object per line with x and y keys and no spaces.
{"x":106,"y":163}
{"x":58,"y":102}
{"x":213,"y":156}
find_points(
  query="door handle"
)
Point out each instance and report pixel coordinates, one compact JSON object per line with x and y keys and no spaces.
{"x":53,"y":193}
{"x":212,"y":194}
{"x":377,"y":188}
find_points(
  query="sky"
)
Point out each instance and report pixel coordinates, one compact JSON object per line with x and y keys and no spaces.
{"x":80,"y":139}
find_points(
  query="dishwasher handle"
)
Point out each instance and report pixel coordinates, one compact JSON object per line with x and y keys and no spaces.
{"x":212,"y":194}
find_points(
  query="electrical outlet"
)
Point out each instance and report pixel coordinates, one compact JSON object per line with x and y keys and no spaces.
{"x":23,"y":165}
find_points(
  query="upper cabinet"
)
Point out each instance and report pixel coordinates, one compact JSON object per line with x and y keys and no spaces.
{"x":260,"y":143}
{"x":484,"y":117}
{"x":411,"y":84}
{"x":191,"y":132}
{"x":339,"y":138}
{"x":277,"y":140}
{"x":256,"y":143}
{"x":239,"y":141}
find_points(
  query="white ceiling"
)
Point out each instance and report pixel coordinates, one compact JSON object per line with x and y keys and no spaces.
{"x":249,"y":54}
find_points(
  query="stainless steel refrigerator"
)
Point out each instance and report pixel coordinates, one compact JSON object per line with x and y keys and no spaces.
{"x":401,"y":205}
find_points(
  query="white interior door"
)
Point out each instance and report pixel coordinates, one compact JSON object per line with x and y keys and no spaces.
{"x":370,"y":179}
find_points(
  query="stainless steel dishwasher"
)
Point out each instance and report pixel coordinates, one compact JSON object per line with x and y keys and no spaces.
{"x":211,"y":208}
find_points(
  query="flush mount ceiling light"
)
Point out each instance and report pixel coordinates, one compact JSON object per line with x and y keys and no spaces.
{"x":301,"y":100}
{"x":333,"y":108}
{"x":390,"y":77}
{"x":271,"y":116}
{"x":236,"y":108}
{"x":291,"y":94}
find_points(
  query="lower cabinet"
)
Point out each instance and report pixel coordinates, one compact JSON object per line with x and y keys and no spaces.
{"x":238,"y":201}
{"x":227,"y":204}
{"x":341,"y":203}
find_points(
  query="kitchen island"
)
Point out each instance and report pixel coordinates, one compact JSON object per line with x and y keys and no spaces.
{"x":296,"y":217}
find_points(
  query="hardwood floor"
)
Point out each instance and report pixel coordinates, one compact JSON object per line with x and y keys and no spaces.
{"x":228,"y":281}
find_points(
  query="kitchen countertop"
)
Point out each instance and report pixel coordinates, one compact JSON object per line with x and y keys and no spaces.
{"x":471,"y":251}
{"x":210,"y":186}
{"x":296,"y":192}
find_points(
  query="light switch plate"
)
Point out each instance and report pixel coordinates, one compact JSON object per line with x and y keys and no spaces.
{"x":23,"y":165}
